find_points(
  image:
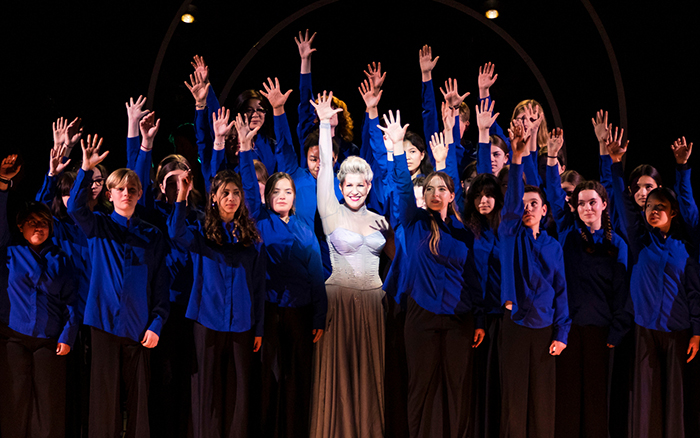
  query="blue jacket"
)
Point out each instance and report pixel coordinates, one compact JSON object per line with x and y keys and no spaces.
{"x":37,"y":291}
{"x":130,"y":280}
{"x":294,"y":276}
{"x":665,"y":283}
{"x":445,"y":284}
{"x":596,"y":272}
{"x":229,"y":280}
{"x":533,"y":276}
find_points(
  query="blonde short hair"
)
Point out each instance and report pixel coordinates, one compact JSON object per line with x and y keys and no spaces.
{"x":355,"y":165}
{"x":123,"y":177}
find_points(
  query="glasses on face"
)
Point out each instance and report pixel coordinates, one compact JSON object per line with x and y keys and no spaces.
{"x":250,"y":111}
{"x":98,"y":182}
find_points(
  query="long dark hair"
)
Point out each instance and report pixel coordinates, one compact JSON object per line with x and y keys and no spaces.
{"x":640,"y":171}
{"x":588,"y":244}
{"x":267,"y":129}
{"x":270,"y":186}
{"x":434,"y":226}
{"x":416,"y":140}
{"x":488,"y":185}
{"x":63,"y":186}
{"x":244,"y":225}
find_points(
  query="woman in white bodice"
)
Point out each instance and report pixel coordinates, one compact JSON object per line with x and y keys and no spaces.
{"x":348,"y":398}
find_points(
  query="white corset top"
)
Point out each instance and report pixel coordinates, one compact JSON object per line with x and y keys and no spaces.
{"x":355,"y":259}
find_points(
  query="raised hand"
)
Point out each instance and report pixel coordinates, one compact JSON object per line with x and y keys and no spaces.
{"x":184,"y":184}
{"x":199,"y":89}
{"x":394,"y":131}
{"x":324,"y":110}
{"x":135,"y":112}
{"x":427,"y":63}
{"x":614,"y":145}
{"x":484,"y":116}
{"x":555,"y":143}
{"x":222,"y":128}
{"x":518,"y":141}
{"x":149,"y":128}
{"x":91,"y":152}
{"x":245,"y":134}
{"x":534,"y":116}
{"x":305,"y":50}
{"x":56,"y":164}
{"x":486,"y":79}
{"x":601,"y":127}
{"x":681,"y":150}
{"x":375,"y":76}
{"x":448,"y":117}
{"x":440,"y":149}
{"x":274,"y":96}
{"x":9,"y":167}
{"x":60,"y":131}
{"x":451,"y":94}
{"x":201,"y":67}
{"x":370,"y":95}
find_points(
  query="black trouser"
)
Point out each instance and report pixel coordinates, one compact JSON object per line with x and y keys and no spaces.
{"x":32,"y":386}
{"x":171,"y":368}
{"x":396,"y":376}
{"x":527,"y":381}
{"x":287,"y":360}
{"x":221,"y":383}
{"x":657,"y":395}
{"x":78,"y":385}
{"x":582,"y":384}
{"x":487,"y":381}
{"x":438,"y":353}
{"x":116,"y":360}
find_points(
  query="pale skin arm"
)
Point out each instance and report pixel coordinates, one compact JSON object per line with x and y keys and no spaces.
{"x":448,"y":121}
{"x":427,"y":63}
{"x":135,"y":112}
{"x":305,"y":50}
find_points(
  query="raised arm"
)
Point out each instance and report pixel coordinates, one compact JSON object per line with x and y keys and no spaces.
{"x":486,"y":80}
{"x":179,"y":232}
{"x":248,"y":177}
{"x":149,"y":128}
{"x":327,"y":202}
{"x":134,"y":113}
{"x":534,"y":114}
{"x":484,"y":120}
{"x":683,"y":188}
{"x":513,"y":208}
{"x":222,"y":129}
{"x":8,"y":169}
{"x":285,"y":155}
{"x":202,"y":130}
{"x":372,"y":142}
{"x":57,"y":164}
{"x":555,"y":194}
{"x":631,"y":225}
{"x":306,"y":94}
{"x":430,"y":115}
{"x":401,"y":176}
{"x":77,"y":203}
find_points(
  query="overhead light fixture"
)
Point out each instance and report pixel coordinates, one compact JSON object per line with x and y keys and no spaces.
{"x":190,"y":15}
{"x":492,"y":14}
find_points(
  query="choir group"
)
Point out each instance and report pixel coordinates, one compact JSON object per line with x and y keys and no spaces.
{"x":412,"y":286}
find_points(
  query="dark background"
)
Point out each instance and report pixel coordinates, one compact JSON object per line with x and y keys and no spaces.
{"x":86,"y":58}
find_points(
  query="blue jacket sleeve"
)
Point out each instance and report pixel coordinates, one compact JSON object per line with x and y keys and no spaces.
{"x":562,"y":321}
{"x":250,"y":183}
{"x":48,"y":189}
{"x":133,"y":145}
{"x":630,"y":220}
{"x":513,"y":208}
{"x":77,"y":204}
{"x":686,"y":201}
{"x":459,"y":149}
{"x":160,"y":287}
{"x":179,"y":232}
{"x":284,"y":151}
{"x":483,"y":159}
{"x":530,"y":169}
{"x":205,"y":145}
{"x":307,"y":114}
{"x":452,"y":170}
{"x":68,"y":298}
{"x":404,"y":190}
{"x":557,"y":202}
{"x":143,"y":170}
{"x":430,"y":115}
{"x":319,"y":299}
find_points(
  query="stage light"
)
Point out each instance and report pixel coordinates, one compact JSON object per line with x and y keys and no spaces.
{"x":492,"y":14}
{"x":190,"y":16}
{"x":187,"y":18}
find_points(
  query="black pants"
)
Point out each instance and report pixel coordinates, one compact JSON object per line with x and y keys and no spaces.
{"x":438,"y":353}
{"x":117,"y":360}
{"x":171,"y":368}
{"x":582,"y":384}
{"x":78,"y":385}
{"x":287,"y":358}
{"x":487,"y":381}
{"x":527,"y":381}
{"x":396,"y":376}
{"x":32,"y":386}
{"x":221,"y":383}
{"x":657,"y":395}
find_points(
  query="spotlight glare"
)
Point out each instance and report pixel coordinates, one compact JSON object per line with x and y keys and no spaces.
{"x":187,"y":18}
{"x":491,"y":14}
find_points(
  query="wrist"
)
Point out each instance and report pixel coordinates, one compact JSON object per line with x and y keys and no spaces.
{"x":440,"y":165}
{"x":146,"y":145}
{"x":5,"y":182}
{"x":200,"y":105}
{"x":427,"y":76}
{"x":483,"y":93}
{"x":278,"y":110}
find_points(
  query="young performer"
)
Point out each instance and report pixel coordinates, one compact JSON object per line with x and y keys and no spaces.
{"x":533,"y":291}
{"x":38,"y":322}
{"x":128,"y":300}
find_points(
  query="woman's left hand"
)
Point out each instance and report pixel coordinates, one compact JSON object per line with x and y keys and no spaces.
{"x":62,"y":349}
{"x":693,"y":347}
{"x":479,"y":335}
{"x":317,"y":334}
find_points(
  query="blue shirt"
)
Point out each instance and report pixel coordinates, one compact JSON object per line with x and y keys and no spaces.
{"x":228,"y":292}
{"x":665,"y":284}
{"x":37,"y":292}
{"x":533,"y":276}
{"x":294,"y":276}
{"x":446,"y":283}
{"x":130,"y":280}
